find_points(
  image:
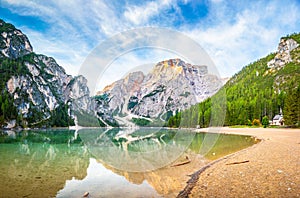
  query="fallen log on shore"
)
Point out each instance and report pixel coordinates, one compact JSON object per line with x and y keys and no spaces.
{"x":232,"y":163}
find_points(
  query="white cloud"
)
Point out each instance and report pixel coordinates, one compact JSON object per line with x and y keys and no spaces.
{"x":141,"y":14}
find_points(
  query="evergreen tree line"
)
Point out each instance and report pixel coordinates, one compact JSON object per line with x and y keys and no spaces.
{"x":292,"y":108}
{"x":87,"y":120}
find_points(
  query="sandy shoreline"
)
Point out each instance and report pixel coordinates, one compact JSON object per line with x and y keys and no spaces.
{"x":270,"y":169}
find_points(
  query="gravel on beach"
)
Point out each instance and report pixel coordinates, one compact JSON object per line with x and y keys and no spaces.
{"x":270,"y":168}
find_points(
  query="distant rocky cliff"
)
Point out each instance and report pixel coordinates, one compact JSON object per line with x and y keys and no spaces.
{"x":287,"y":53}
{"x":171,"y":86}
{"x":283,"y":55}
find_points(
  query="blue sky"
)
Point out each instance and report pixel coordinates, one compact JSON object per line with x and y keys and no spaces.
{"x":234,"y":32}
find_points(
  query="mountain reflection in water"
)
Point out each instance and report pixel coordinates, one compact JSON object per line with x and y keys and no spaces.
{"x":136,"y":150}
{"x":106,"y":162}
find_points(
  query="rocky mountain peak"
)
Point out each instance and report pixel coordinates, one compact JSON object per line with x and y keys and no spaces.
{"x":178,"y":66}
{"x":13,"y":43}
{"x":283,"y":55}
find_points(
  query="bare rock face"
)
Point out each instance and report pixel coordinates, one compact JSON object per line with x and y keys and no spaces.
{"x":42,"y":85}
{"x":13,"y":43}
{"x":78,"y":94}
{"x":120,"y":91}
{"x":46,"y":86}
{"x":172,"y":85}
{"x":288,"y":52}
{"x":283,"y":55}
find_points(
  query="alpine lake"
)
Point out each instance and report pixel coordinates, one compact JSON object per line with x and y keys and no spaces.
{"x":100,"y":162}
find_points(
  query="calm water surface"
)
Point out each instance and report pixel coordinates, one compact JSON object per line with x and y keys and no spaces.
{"x":106,"y":162}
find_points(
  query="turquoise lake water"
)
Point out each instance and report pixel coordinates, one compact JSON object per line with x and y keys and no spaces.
{"x":106,"y":162}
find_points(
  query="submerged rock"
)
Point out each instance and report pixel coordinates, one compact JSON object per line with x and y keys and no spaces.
{"x":86,"y":194}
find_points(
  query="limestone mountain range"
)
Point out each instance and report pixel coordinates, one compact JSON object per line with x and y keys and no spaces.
{"x":172,"y":85}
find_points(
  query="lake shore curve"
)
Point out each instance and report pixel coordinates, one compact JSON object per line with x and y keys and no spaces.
{"x":270,"y":168}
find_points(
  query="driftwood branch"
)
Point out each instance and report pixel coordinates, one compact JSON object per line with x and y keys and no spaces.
{"x":238,"y":162}
{"x":193,"y":180}
{"x":182,"y":163}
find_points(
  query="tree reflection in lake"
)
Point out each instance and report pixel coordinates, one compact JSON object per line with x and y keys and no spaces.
{"x":37,"y":163}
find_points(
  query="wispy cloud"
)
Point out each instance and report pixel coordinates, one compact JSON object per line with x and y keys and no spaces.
{"x":142,"y":14}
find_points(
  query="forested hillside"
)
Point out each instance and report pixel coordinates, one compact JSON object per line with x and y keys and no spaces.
{"x":260,"y":89}
{"x":34,"y":90}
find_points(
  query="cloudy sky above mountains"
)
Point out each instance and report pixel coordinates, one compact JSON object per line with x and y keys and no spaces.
{"x":233,"y":33}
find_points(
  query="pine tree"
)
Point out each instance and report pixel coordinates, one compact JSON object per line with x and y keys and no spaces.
{"x":265,"y":121}
{"x":292,"y":108}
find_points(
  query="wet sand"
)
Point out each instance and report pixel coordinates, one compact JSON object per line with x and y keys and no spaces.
{"x":270,"y":168}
